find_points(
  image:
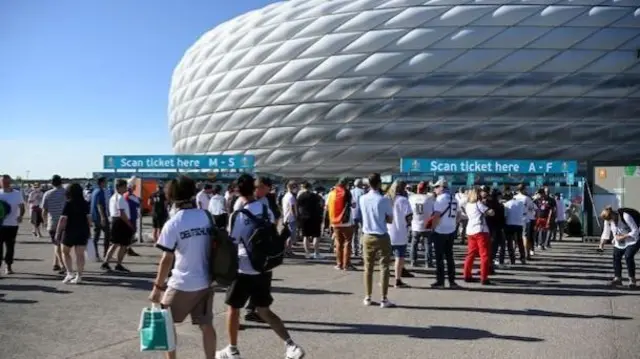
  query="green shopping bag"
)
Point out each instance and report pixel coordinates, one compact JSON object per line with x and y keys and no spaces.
{"x":156,"y":330}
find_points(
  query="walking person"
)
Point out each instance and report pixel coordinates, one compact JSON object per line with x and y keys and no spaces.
{"x":444,"y":222}
{"x":529,"y":219}
{"x":310,"y":210}
{"x":73,"y":231}
{"x":185,"y":241}
{"x":251,"y":283}
{"x":10,"y":222}
{"x":357,"y":192}
{"x":514,"y":219}
{"x":53,"y":203}
{"x":217,"y":208}
{"x":159,"y":211}
{"x":122,"y":229}
{"x":377,"y":212}
{"x":339,"y":210}
{"x":34,"y":200}
{"x":398,"y":229}
{"x":100,"y":217}
{"x":479,"y":242}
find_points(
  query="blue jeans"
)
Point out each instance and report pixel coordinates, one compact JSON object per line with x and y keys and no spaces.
{"x":416,"y":237}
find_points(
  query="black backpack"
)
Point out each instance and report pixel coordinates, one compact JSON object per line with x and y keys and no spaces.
{"x":223,"y":258}
{"x":267,"y":245}
{"x":632,"y":212}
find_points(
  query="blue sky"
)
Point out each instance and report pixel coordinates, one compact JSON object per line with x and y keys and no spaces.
{"x":72,"y":71}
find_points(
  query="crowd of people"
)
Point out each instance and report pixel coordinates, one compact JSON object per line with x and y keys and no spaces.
{"x":368,"y":225}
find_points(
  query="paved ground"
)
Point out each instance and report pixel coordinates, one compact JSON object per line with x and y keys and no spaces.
{"x":558,"y":307}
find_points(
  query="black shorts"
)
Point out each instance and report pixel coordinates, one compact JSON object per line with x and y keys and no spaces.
{"x":75,"y":240}
{"x":257,"y":287}
{"x":121,"y":232}
{"x":158,"y":221}
{"x":221,"y":220}
{"x":36,"y":216}
{"x":310,"y":228}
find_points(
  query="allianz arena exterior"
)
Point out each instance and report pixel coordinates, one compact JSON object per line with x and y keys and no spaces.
{"x":320,"y":88}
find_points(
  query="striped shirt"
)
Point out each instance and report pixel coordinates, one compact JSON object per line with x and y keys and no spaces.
{"x":53,"y":202}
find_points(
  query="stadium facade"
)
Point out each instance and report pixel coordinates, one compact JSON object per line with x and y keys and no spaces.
{"x":323,"y":88}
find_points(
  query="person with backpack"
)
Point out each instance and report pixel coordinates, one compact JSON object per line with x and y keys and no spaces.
{"x":622,"y":226}
{"x":256,"y":236}
{"x":12,"y":204}
{"x":185,"y":239}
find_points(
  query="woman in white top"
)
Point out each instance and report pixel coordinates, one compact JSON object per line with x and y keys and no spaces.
{"x":478,"y":238}
{"x":515,"y":213}
{"x":398,"y":229}
{"x":623,"y":228}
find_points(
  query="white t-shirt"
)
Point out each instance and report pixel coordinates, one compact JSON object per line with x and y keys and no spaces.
{"x":422,"y":207}
{"x":14,"y":199}
{"x":187,"y":235}
{"x":288,"y":202}
{"x":462,"y":203}
{"x":35,"y":198}
{"x":117,"y":203}
{"x":447,"y":206}
{"x":241,"y":230}
{"x":217,"y":205}
{"x":529,"y":206}
{"x":398,"y":229}
{"x":477,"y":221}
{"x":514,"y":212}
{"x":202,"y":200}
{"x":625,"y":226}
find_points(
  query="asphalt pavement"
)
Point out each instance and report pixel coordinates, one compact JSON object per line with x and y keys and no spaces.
{"x":558,"y":306}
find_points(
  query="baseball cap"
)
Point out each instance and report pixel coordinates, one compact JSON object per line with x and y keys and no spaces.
{"x":422,"y":186}
{"x":441,"y":183}
{"x":358,"y":182}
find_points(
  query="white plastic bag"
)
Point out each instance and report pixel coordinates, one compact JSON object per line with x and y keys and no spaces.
{"x":156,"y":330}
{"x":90,"y":250}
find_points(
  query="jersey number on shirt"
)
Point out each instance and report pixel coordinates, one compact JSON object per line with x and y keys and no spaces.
{"x":419,"y":208}
{"x":454,"y":209}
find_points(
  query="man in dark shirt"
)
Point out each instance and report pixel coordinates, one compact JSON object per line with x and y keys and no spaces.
{"x":159,"y":210}
{"x":100,"y":216}
{"x":310,"y":210}
{"x":545,"y":217}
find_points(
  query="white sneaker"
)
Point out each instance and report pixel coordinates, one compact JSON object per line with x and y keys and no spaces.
{"x":386,"y":303}
{"x":226,"y":353}
{"x":294,"y":352}
{"x":367,"y":301}
{"x":317,"y":256}
{"x":76,"y":279}
{"x":68,"y":278}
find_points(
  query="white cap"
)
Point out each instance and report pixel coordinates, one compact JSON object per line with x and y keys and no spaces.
{"x":441,"y":183}
{"x":358,"y":182}
{"x":131,"y":182}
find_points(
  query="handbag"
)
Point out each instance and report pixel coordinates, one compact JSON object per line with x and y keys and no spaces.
{"x":156,"y":330}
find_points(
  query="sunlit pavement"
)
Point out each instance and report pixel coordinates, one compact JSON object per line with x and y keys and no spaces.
{"x":557,"y":307}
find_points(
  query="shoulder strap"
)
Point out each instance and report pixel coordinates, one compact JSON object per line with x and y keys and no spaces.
{"x":251,"y":216}
{"x":265,"y":212}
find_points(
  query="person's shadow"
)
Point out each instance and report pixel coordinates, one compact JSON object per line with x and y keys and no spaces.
{"x":432,"y":332}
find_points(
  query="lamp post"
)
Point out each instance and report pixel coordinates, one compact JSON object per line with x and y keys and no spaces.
{"x":27,"y":175}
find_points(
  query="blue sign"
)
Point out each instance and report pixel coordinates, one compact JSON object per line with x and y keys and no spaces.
{"x":494,"y":185}
{"x":486,"y":166}
{"x":471,"y":179}
{"x":539,"y":181}
{"x":181,"y":162}
{"x":571,"y":179}
{"x":532,"y":184}
{"x":201,"y":176}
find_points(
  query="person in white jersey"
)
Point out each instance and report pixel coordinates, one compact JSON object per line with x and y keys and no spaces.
{"x":461,"y":230}
{"x":622,"y":225}
{"x":529,"y":220}
{"x":514,"y":214}
{"x":185,"y":239}
{"x":478,"y":237}
{"x":398,"y":228}
{"x":204,"y":197}
{"x":217,"y":208}
{"x":444,"y":221}
{"x":422,"y":207}
{"x":122,"y":229}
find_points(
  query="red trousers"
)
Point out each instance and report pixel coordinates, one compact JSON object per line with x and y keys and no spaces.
{"x":478,"y":244}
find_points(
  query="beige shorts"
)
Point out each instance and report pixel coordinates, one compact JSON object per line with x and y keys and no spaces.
{"x":198,"y":304}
